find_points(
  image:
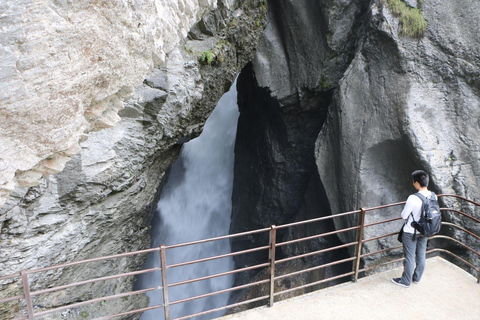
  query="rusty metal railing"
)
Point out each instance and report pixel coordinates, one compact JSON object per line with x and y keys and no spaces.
{"x":269,"y":265}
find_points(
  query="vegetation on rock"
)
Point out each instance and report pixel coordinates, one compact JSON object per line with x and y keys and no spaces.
{"x":411,"y":19}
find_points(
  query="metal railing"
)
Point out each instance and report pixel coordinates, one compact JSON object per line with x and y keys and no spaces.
{"x":269,"y":265}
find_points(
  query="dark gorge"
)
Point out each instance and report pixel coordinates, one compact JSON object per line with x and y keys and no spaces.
{"x":275,"y":177}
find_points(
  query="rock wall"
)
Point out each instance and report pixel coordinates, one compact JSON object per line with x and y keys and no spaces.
{"x":405,"y":104}
{"x":102,"y":201}
{"x":283,"y":101}
{"x":395,"y":104}
{"x":67,"y":68}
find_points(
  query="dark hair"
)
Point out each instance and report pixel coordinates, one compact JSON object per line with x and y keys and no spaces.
{"x":421,"y":177}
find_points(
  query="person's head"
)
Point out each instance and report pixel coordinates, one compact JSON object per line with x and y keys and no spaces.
{"x":421,"y":177}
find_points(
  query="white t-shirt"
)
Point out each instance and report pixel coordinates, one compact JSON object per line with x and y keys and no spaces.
{"x":414,"y":206}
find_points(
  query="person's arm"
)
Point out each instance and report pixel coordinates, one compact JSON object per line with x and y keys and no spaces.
{"x":408,"y":208}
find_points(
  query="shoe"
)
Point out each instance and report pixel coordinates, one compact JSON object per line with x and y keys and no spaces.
{"x":415,"y":281}
{"x":399,"y":282}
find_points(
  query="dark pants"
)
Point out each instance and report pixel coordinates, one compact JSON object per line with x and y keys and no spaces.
{"x":415,"y":252}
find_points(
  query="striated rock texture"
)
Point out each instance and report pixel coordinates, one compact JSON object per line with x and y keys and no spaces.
{"x":68,"y":66}
{"x":102,"y":201}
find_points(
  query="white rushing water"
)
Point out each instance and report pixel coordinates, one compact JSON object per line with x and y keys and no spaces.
{"x":196,"y":204}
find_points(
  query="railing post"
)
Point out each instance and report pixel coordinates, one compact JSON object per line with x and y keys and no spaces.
{"x":273,"y":241}
{"x":26,"y":291}
{"x":163,"y":264}
{"x":358,"y":247}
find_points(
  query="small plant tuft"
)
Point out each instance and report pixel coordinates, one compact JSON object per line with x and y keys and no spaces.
{"x":206,"y":57}
{"x":411,"y":19}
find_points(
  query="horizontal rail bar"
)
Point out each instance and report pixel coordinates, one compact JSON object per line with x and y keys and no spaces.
{"x":266,"y":264}
{"x":223,"y":308}
{"x":461,"y":228}
{"x":385,"y":206}
{"x":380,"y":251}
{"x":383,"y":221}
{"x":316,"y":283}
{"x":455,"y":256}
{"x":316,"y":252}
{"x":396,"y":260}
{"x":246,"y":233}
{"x":462,"y":213}
{"x":457,"y":242}
{"x":220,"y":292}
{"x":459,"y":197}
{"x":9,"y":276}
{"x":81,"y":283}
{"x":333,"y":216}
{"x":428,"y":252}
{"x":380,"y":237}
{"x":130,"y":312}
{"x":70,"y":264}
{"x":315,"y":268}
{"x":316,"y":236}
{"x":5,"y":300}
{"x":181,"y":264}
{"x":79,"y":304}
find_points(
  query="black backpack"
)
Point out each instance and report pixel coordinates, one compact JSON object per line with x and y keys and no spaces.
{"x":430,"y":218}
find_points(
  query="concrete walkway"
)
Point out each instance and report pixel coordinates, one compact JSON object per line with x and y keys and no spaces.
{"x":445,"y":292}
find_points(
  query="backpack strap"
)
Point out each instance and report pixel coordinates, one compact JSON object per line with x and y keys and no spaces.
{"x":421,"y":196}
{"x":415,"y":229}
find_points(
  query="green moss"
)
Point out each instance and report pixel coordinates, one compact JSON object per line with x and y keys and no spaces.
{"x":84,"y":314}
{"x":263,"y":5}
{"x":206,"y":57}
{"x":221,"y":44}
{"x":411,"y":19}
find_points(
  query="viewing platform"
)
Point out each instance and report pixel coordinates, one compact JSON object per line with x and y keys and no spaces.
{"x":445,"y":292}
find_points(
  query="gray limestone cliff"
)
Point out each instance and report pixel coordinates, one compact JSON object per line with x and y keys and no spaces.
{"x":102,"y":201}
{"x":67,"y":68}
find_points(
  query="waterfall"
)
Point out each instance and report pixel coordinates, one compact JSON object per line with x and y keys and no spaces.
{"x":196,"y":204}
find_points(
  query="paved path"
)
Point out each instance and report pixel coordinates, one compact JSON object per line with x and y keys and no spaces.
{"x":445,"y":292}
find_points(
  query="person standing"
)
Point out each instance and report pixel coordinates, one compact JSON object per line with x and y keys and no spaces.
{"x":414,"y":243}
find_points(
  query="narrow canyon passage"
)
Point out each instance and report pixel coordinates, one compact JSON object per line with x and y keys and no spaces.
{"x":276,"y":180}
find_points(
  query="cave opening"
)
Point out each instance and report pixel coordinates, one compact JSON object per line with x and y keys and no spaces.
{"x":276,"y":180}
